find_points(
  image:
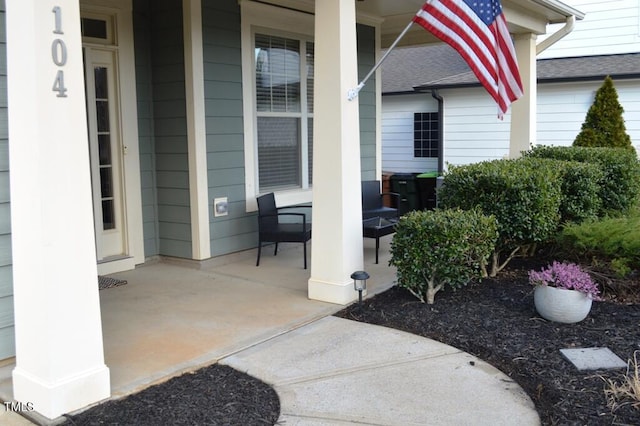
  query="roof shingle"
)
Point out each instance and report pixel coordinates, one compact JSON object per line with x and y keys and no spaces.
{"x":439,"y":66}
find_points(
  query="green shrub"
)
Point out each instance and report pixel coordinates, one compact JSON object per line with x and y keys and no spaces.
{"x":604,"y":125}
{"x":613,"y":240}
{"x":620,"y":183}
{"x":523,"y":195}
{"x":620,"y":267}
{"x":580,"y":191}
{"x":441,"y":248}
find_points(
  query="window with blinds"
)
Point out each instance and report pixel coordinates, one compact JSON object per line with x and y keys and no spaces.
{"x":284,"y":105}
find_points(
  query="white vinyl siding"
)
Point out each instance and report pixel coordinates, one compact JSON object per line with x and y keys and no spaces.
{"x":562,"y":108}
{"x":609,"y":27}
{"x":397,"y":133}
{"x":561,"y":111}
{"x":472,"y":130}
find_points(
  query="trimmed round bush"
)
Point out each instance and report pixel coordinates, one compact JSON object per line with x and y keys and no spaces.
{"x":435,"y":249}
{"x":620,"y":181}
{"x":580,"y":191}
{"x":524,"y":196}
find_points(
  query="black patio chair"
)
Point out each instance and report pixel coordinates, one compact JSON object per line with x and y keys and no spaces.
{"x":372,"y":201}
{"x":272,"y":230}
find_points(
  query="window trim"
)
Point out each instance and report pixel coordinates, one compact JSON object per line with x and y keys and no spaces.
{"x":261,"y":18}
{"x":108,"y":19}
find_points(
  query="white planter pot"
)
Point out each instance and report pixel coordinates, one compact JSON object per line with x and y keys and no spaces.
{"x":560,"y":305}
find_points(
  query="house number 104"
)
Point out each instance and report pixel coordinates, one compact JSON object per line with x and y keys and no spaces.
{"x":59,"y":54}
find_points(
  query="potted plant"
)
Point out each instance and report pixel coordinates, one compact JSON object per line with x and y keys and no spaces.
{"x":563,"y":292}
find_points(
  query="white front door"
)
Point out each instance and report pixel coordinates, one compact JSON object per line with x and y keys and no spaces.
{"x":106,"y":153}
{"x":110,"y":83}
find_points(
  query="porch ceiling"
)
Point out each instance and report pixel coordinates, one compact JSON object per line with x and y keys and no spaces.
{"x":524,"y":16}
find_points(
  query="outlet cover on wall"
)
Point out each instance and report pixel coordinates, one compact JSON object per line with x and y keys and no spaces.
{"x":220,"y":206}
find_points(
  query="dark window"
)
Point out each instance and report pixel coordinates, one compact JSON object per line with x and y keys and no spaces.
{"x":426,"y":135}
{"x":95,"y":28}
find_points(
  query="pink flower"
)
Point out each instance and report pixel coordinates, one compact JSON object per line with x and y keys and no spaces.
{"x":568,"y":276}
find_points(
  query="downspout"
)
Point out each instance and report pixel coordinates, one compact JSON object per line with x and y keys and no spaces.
{"x":557,"y":36}
{"x":440,"y":99}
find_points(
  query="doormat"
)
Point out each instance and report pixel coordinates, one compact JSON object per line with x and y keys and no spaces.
{"x":108,"y":282}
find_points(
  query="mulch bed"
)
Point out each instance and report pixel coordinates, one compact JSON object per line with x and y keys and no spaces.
{"x":496,"y":321}
{"x":214,"y":395}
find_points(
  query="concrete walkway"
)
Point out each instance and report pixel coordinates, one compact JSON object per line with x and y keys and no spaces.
{"x":339,"y":372}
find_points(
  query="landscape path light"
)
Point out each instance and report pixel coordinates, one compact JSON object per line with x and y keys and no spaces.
{"x":359,"y":283}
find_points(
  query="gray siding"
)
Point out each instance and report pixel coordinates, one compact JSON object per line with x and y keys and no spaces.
{"x":170,"y":128}
{"x":225,"y":127}
{"x":7,"y":341}
{"x":224,"y":121}
{"x":162,"y":127}
{"x":367,"y":99}
{"x":162,"y":124}
{"x":144,"y":94}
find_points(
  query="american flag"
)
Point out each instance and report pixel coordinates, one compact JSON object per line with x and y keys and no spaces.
{"x":477,"y":30}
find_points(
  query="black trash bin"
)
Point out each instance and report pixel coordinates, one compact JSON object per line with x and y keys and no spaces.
{"x":405,"y":185}
{"x":426,"y":183}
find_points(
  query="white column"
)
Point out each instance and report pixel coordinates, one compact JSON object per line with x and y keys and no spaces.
{"x":196,"y":129}
{"x":59,"y":352}
{"x":524,"y":110}
{"x":336,"y":243}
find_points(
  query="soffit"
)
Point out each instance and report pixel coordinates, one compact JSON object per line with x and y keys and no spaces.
{"x":523,"y":16}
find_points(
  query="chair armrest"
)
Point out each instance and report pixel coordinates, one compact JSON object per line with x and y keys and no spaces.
{"x":282,"y":214}
{"x":395,"y":198}
{"x":302,"y":215}
{"x":396,"y":194}
{"x":296,"y":206}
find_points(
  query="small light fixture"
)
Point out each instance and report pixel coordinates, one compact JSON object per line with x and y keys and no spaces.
{"x":359,"y":283}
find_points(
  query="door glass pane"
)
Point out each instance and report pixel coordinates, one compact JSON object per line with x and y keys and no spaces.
{"x":100,"y":74}
{"x":102,"y":114}
{"x":108,"y":220}
{"x":279,"y":152}
{"x":104,"y":147}
{"x":106,"y":187}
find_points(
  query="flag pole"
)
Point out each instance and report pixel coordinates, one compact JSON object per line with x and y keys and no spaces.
{"x":353,"y":93}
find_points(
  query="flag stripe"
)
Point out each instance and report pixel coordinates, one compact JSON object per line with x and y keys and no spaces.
{"x":450,"y":32}
{"x":510,"y":63}
{"x":452,"y":26}
{"x":487,"y":48}
{"x":462,"y":21}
